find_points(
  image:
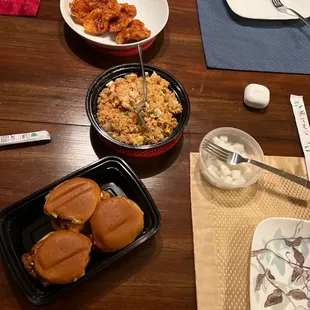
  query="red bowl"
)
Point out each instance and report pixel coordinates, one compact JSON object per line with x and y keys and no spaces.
{"x":142,"y":153}
{"x":120,"y":52}
{"x":142,"y":150}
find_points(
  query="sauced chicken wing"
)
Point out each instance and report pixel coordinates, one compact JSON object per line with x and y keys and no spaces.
{"x":80,"y":9}
{"x":135,"y":32}
{"x":98,"y":21}
{"x":127,"y":14}
{"x":103,"y":4}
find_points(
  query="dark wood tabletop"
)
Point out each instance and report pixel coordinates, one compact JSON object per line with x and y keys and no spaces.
{"x":45,"y":71}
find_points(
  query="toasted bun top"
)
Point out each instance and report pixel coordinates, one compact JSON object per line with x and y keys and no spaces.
{"x":62,"y":257}
{"x":116,"y":222}
{"x":74,"y":200}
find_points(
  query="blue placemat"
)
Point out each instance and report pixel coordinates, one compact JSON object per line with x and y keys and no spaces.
{"x":236,"y":43}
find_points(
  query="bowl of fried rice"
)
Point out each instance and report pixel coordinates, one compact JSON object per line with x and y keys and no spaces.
{"x":111,"y":101}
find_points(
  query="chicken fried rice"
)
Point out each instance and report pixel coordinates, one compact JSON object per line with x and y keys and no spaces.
{"x":116,"y":110}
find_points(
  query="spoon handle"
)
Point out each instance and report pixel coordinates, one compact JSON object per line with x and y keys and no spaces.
{"x":143,"y":74}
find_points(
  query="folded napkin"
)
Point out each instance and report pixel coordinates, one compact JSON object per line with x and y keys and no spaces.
{"x":19,"y":7}
{"x":236,"y":43}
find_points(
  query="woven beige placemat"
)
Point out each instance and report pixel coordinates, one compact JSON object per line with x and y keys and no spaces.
{"x":223,"y":225}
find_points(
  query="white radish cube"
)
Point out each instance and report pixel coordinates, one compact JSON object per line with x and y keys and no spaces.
{"x":247,"y":169}
{"x":221,"y":144}
{"x":230,"y":148}
{"x":212,"y":172}
{"x":224,"y":138}
{"x":228,"y":179}
{"x":236,"y":174}
{"x":239,"y":147}
{"x":209,"y":160}
{"x":226,"y":145}
{"x":216,"y":140}
{"x":244,"y":154}
{"x":224,"y":170}
{"x":217,"y":162}
{"x":239,"y":181}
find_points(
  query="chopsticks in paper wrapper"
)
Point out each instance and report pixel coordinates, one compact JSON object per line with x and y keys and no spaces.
{"x":25,"y":137}
{"x":302,"y":123}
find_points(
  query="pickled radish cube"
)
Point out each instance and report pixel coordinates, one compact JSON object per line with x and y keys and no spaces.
{"x":244,"y":154}
{"x":222,"y":144}
{"x":239,"y":147}
{"x":236,"y":174}
{"x":239,"y":181}
{"x":230,"y":147}
{"x":211,"y":170}
{"x":228,"y":179}
{"x":217,"y":162}
{"x":210,"y":160}
{"x":224,"y":139}
{"x":216,"y":140}
{"x":224,"y":170}
{"x":246,"y":169}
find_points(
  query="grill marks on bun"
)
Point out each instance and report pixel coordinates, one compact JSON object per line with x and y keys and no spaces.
{"x":62,"y":257}
{"x":116,"y":223}
{"x":73,"y":200}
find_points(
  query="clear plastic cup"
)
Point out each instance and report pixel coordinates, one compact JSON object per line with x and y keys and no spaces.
{"x":252,"y":148}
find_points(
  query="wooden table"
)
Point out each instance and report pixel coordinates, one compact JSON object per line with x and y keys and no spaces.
{"x":45,"y":70}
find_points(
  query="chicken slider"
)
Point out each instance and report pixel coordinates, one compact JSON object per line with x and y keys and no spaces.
{"x":72,"y":203}
{"x":116,"y":222}
{"x":58,"y":258}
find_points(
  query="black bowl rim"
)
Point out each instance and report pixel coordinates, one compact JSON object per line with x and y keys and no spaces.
{"x":119,"y":69}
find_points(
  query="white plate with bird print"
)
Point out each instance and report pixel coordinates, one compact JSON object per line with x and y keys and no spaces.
{"x":280,"y":265}
{"x":264,"y":9}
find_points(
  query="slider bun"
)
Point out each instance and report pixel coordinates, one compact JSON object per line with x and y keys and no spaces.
{"x":116,"y":222}
{"x":73,"y":200}
{"x":62,"y":257}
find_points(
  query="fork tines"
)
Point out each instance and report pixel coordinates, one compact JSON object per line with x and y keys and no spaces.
{"x":277,"y":3}
{"x":215,"y":150}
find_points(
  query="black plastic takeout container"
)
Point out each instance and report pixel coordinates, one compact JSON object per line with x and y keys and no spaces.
{"x":24,"y":223}
{"x":120,"y":71}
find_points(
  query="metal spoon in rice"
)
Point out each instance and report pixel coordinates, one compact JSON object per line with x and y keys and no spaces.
{"x":140,"y":106}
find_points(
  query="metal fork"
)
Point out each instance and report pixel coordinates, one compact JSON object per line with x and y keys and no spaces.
{"x":234,"y":159}
{"x":279,"y":5}
{"x":140,"y":106}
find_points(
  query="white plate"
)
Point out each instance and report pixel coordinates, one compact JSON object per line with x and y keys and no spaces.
{"x":153,"y":13}
{"x":280,"y":245}
{"x":264,"y":9}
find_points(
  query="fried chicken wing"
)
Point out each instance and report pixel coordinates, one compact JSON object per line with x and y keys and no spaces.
{"x":135,"y":32}
{"x":127,"y":14}
{"x":103,"y":4}
{"x":80,"y":9}
{"x":98,"y":21}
